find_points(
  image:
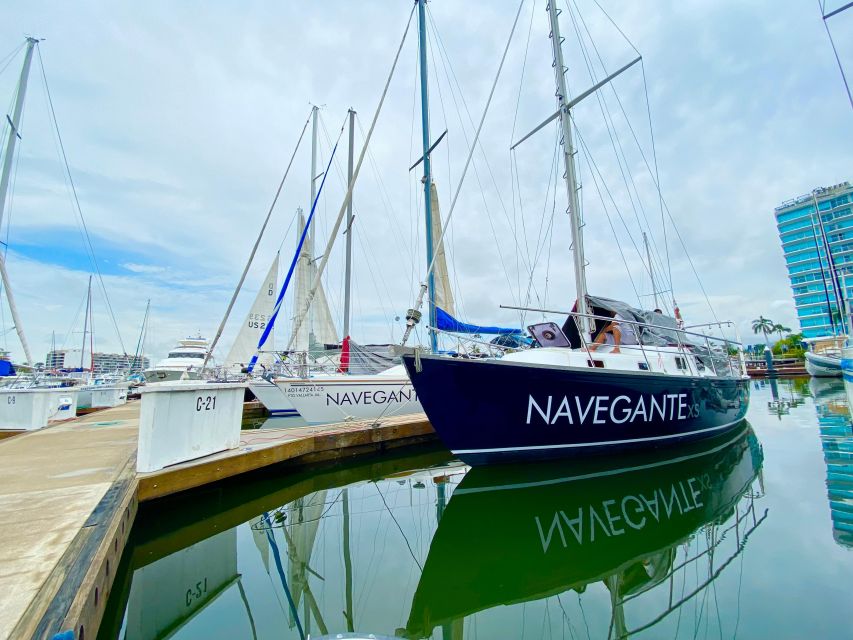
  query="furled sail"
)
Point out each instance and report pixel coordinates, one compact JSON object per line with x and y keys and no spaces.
{"x":320,"y":328}
{"x":246,"y":343}
{"x":443,"y":293}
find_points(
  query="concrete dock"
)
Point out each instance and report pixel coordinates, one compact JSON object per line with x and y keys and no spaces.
{"x":69,"y":495}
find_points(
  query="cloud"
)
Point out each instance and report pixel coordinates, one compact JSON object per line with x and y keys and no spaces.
{"x":179,"y":120}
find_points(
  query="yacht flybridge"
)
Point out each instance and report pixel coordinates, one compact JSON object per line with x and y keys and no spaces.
{"x":184,"y":362}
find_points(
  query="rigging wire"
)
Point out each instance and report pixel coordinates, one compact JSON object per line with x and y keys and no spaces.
{"x":615,"y":143}
{"x":7,"y":59}
{"x":79,"y":210}
{"x":476,"y":145}
{"x":257,"y":242}
{"x":367,"y":256}
{"x":612,"y":87}
{"x":513,"y":161}
{"x":834,"y":50}
{"x":655,"y":176}
{"x":593,"y":171}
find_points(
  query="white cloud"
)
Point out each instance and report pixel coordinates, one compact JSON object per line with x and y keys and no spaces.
{"x":179,"y":119}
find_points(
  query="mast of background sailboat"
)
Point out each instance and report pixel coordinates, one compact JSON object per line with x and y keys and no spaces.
{"x":140,"y":344}
{"x":822,"y":275}
{"x":86,"y":321}
{"x":14,"y":123}
{"x":833,"y":274}
{"x":651,"y":269}
{"x":348,"y":268}
{"x":310,"y":240}
{"x":427,"y":179}
{"x":570,"y":175}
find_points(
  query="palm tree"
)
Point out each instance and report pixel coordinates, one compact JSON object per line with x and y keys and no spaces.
{"x":763,"y":325}
{"x":778,"y":328}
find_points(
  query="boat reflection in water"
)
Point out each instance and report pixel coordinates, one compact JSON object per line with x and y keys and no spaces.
{"x":523,"y":533}
{"x":422,"y":546}
{"x":836,"y":438}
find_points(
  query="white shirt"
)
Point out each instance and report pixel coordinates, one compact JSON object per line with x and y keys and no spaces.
{"x":629,"y":336}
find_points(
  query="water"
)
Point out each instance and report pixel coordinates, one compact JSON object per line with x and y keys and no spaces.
{"x":747,"y":536}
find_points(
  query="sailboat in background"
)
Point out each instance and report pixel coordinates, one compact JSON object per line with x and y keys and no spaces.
{"x":245,"y":344}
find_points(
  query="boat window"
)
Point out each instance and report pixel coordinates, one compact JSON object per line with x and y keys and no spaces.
{"x":598,"y":364}
{"x":643,"y":366}
{"x":680,"y":363}
{"x":200,"y":356}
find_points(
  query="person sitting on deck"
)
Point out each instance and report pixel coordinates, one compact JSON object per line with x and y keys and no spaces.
{"x":617,"y":332}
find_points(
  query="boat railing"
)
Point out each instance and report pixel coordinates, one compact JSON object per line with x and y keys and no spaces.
{"x":713,"y":344}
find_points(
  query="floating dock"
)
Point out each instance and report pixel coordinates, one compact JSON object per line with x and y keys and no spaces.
{"x":69,"y":495}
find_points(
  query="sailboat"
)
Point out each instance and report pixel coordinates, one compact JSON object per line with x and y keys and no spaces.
{"x":337,"y":395}
{"x":571,"y":395}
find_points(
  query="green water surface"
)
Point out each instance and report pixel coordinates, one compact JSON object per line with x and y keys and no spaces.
{"x":749,"y":535}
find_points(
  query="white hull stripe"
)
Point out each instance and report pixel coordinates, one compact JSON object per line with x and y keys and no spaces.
{"x":592,"y":444}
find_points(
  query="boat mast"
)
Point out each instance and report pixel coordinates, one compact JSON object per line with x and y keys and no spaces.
{"x":833,"y":273}
{"x":348,"y":270}
{"x":14,"y":134}
{"x":651,"y":269}
{"x":310,"y":239}
{"x":572,"y":187}
{"x":86,"y":322}
{"x":140,"y":344}
{"x":427,"y":179}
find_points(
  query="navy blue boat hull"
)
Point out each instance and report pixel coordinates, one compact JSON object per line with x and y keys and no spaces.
{"x":488,"y":411}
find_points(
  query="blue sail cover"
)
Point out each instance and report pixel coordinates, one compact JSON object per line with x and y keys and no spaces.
{"x":6,"y":368}
{"x":446,"y":322}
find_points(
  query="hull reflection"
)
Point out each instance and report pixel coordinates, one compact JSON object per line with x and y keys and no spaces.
{"x":521,"y":533}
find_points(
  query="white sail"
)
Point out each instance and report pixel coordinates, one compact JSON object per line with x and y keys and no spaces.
{"x":319,"y":327}
{"x":443,"y":292}
{"x":246,"y":343}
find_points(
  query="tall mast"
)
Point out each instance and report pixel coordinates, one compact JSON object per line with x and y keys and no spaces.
{"x":833,"y":273}
{"x":651,"y":269}
{"x":14,"y":134}
{"x":572,"y":187}
{"x":348,"y":271}
{"x":86,"y":321}
{"x":427,"y":179}
{"x":310,"y":239}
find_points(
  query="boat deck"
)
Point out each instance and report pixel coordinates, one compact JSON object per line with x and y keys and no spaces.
{"x":69,"y":493}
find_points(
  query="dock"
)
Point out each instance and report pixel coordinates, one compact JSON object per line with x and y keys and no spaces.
{"x":69,"y":495}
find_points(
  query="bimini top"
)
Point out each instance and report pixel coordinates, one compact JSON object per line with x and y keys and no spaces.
{"x":657,"y":329}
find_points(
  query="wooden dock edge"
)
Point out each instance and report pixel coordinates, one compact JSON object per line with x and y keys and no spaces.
{"x":74,"y":596}
{"x":324,"y":445}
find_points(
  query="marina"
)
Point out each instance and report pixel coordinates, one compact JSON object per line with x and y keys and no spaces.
{"x":70,"y":492}
{"x":650,"y":546}
{"x":426,"y":321}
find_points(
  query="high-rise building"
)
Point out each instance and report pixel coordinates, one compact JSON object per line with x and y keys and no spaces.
{"x":103,"y":362}
{"x":814,"y":272}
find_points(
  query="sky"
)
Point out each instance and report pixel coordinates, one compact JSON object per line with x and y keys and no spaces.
{"x":178,"y":121}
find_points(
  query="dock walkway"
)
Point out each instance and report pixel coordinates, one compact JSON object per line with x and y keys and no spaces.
{"x":69,"y":493}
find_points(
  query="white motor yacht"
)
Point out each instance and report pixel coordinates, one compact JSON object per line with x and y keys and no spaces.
{"x":184,"y":362}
